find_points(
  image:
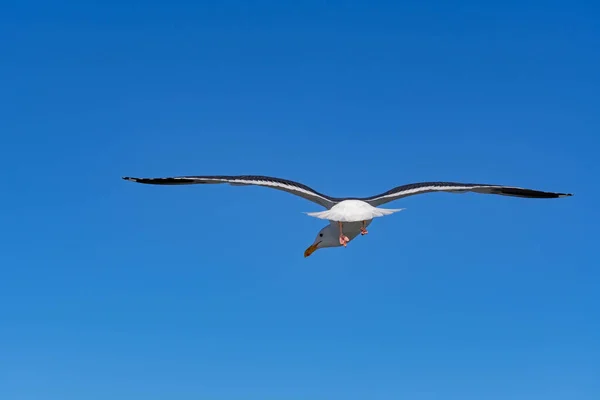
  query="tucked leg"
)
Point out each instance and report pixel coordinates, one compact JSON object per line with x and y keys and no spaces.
{"x":363,"y":228}
{"x":343,"y":238}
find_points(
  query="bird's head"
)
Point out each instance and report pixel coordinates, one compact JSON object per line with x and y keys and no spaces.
{"x":326,"y":237}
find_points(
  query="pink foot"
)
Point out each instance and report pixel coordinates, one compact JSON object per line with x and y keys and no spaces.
{"x":363,"y":231}
{"x":344,"y":240}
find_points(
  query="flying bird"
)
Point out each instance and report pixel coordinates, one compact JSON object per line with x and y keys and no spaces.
{"x":348,"y":216}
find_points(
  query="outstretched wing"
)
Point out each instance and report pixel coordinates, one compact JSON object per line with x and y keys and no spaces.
{"x":453,"y":187}
{"x":243,"y":180}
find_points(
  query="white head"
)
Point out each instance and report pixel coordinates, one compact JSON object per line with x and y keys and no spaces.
{"x":327,"y":237}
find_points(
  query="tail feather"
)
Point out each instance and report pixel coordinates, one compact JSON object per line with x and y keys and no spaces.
{"x":334,"y":215}
{"x":319,"y":214}
{"x":380,"y":212}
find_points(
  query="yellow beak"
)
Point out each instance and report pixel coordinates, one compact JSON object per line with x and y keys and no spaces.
{"x":311,"y":249}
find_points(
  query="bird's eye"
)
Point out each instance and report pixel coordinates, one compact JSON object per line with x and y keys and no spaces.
{"x":320,"y":234}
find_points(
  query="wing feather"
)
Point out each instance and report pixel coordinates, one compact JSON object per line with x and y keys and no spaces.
{"x":285,"y":185}
{"x":455,"y":187}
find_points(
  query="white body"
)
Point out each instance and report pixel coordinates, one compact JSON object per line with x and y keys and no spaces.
{"x":353,"y":211}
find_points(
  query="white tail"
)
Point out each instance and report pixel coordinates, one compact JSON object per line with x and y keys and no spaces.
{"x":365,"y":215}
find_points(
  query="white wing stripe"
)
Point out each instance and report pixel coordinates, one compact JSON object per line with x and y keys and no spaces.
{"x":260,"y":183}
{"x":426,"y":188}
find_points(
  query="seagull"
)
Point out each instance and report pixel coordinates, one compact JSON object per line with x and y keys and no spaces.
{"x":348,"y":216}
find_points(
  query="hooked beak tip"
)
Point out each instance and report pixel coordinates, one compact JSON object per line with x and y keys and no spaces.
{"x":311,"y":249}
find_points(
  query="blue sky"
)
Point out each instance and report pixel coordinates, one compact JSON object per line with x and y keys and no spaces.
{"x":115,"y":290}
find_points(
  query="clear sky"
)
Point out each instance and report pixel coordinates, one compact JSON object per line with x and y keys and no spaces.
{"x":114,"y":290}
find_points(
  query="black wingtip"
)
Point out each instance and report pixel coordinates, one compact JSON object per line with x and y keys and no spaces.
{"x":529,"y":193}
{"x":128,"y":178}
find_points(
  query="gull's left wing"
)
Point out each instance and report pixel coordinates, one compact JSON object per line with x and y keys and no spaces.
{"x":454,"y":187}
{"x":243,"y":180}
